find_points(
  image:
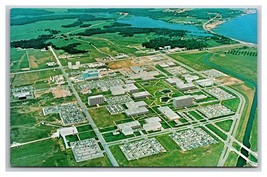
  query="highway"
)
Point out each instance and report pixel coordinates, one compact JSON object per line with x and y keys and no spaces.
{"x":84,"y":109}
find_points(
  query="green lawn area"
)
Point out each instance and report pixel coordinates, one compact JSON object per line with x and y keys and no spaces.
{"x":244,"y":65}
{"x":34,"y":77}
{"x":254,"y":134}
{"x":103,"y":118}
{"x":49,"y":154}
{"x":25,"y":124}
{"x":231,"y":104}
{"x":84,"y":128}
{"x":217,"y":131}
{"x":205,"y":156}
{"x":194,"y":60}
{"x":225,"y":125}
{"x":231,"y":160}
{"x":195,"y":115}
{"x":87,"y":135}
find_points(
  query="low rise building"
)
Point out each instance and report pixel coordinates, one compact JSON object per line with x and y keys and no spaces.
{"x":205,"y":82}
{"x":135,"y":104}
{"x":183,"y":87}
{"x":128,"y":128}
{"x":134,"y":111}
{"x":152,"y":124}
{"x":170,"y":114}
{"x":141,"y":94}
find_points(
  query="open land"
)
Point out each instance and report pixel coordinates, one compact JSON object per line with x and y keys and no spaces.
{"x":89,"y":91}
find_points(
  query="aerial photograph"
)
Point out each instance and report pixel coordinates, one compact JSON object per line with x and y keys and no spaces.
{"x":133,"y":87}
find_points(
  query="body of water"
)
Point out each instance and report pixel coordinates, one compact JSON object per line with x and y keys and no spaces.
{"x":146,"y":22}
{"x":243,"y":28}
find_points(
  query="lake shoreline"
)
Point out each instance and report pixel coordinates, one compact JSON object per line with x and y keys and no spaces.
{"x":209,"y":29}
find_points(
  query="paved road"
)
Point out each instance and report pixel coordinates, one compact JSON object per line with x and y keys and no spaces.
{"x":82,"y":105}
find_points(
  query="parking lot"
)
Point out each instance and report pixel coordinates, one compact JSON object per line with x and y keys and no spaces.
{"x":69,"y":113}
{"x":220,"y":94}
{"x":143,"y":148}
{"x":86,"y":150}
{"x":192,"y":139}
{"x":122,"y":99}
{"x":115,"y":109}
{"x":216,"y":110}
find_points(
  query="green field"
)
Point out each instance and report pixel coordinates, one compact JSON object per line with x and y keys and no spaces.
{"x":194,"y":60}
{"x":26,"y":124}
{"x":103,"y":118}
{"x":244,"y":65}
{"x":205,"y":156}
{"x":48,"y":153}
{"x":34,"y":78}
{"x":225,"y":125}
{"x":231,"y":104}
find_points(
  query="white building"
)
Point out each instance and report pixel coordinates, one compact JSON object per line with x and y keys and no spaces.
{"x":183,"y":101}
{"x":170,"y":114}
{"x":205,"y":82}
{"x":97,"y":99}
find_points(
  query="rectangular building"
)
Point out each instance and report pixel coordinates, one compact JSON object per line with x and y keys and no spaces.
{"x":134,"y":111}
{"x":152,"y":124}
{"x":129,"y":127}
{"x":141,"y":94}
{"x":173,"y":81}
{"x":135,"y":104}
{"x":97,"y":99}
{"x":117,"y":90}
{"x":183,"y":87}
{"x":183,"y":101}
{"x":205,"y":82}
{"x":170,"y":114}
{"x":131,"y":88}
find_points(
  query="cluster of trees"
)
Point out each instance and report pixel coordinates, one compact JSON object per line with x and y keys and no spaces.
{"x":71,"y":48}
{"x":52,"y":31}
{"x":81,"y":19}
{"x":221,"y":39}
{"x":116,"y":24}
{"x":162,"y":41}
{"x":42,"y":42}
{"x":38,"y":43}
{"x":242,"y":52}
{"x":127,"y":31}
{"x":54,"y":16}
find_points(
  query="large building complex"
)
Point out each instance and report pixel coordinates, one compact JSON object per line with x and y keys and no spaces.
{"x":170,"y":114}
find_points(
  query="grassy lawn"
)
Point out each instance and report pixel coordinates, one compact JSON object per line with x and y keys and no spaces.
{"x":225,"y":125}
{"x":244,"y":65}
{"x":231,"y":160}
{"x":231,"y":104}
{"x":205,"y":156}
{"x":254,"y":134}
{"x":195,"y":115}
{"x":194,"y":60}
{"x":49,"y":154}
{"x":33,"y":77}
{"x":87,"y":135}
{"x":103,"y":118}
{"x":25,"y":124}
{"x":217,"y":131}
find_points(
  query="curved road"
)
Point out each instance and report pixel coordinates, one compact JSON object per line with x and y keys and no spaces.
{"x":241,"y":162}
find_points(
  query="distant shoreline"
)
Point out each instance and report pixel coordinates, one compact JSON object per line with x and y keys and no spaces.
{"x":209,"y":29}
